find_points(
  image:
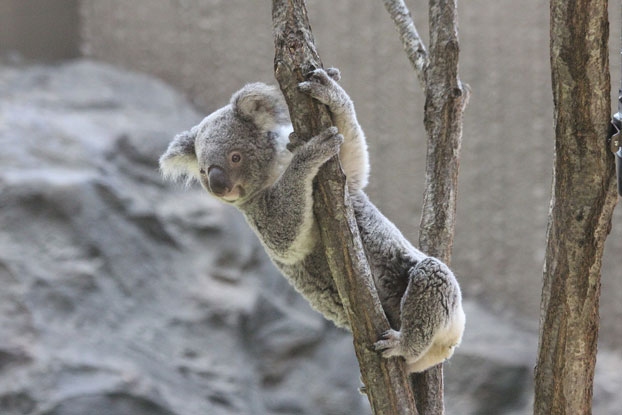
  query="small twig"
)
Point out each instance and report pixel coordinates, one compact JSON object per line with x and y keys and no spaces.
{"x":413,"y":45}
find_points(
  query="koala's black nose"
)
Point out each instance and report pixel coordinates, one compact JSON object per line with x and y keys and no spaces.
{"x":218,"y":181}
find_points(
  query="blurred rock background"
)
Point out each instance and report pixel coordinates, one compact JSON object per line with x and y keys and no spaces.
{"x":124,"y":295}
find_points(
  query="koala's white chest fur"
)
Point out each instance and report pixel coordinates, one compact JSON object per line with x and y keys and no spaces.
{"x":304,"y":243}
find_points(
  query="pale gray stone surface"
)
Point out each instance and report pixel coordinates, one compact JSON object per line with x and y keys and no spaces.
{"x":125,"y":296}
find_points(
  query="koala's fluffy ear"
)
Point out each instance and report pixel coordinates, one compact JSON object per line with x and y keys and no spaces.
{"x":180,"y":159}
{"x":261,"y":104}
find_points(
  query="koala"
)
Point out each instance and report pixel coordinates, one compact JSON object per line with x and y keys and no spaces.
{"x":246,"y":155}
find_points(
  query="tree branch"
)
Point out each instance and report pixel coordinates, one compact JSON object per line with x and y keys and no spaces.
{"x":446,"y":98}
{"x":385,"y":379}
{"x":412,"y":43}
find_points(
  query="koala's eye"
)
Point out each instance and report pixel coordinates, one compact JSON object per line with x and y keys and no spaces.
{"x":236,"y":157}
{"x":202,"y":171}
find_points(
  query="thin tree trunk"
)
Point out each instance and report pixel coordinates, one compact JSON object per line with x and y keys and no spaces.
{"x":446,"y":98}
{"x":582,"y":202}
{"x":385,"y":379}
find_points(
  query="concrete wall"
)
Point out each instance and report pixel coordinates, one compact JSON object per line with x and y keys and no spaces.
{"x":210,"y":48}
{"x":39,"y":29}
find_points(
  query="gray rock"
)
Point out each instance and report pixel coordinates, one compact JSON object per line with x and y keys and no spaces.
{"x":125,"y":295}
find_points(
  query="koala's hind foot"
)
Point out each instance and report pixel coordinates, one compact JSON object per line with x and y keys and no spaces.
{"x":389,"y":344}
{"x":392,"y":344}
{"x":432,"y":318}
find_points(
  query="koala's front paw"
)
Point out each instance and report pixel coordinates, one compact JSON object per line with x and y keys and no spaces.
{"x":322,"y":86}
{"x":389,"y":344}
{"x":325,"y":145}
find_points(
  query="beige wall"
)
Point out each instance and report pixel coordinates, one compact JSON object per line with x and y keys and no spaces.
{"x":209,"y":48}
{"x":39,"y":29}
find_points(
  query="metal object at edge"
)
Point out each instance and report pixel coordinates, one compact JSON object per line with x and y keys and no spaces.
{"x":615,"y":142}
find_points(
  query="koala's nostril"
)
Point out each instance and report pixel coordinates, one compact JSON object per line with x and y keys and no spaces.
{"x":218,"y":181}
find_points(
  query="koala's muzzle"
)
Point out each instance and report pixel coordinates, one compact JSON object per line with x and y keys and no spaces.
{"x":218,"y":181}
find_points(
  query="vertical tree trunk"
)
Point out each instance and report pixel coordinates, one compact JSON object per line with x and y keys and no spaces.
{"x":446,"y":98}
{"x":385,"y":379}
{"x":582,"y":202}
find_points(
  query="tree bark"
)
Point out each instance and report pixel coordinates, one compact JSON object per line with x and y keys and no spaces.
{"x":446,"y":98}
{"x":582,"y":203}
{"x":385,"y":379}
{"x":411,"y":41}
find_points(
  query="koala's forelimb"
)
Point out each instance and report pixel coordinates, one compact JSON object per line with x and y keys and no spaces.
{"x":353,"y":155}
{"x":294,"y":213}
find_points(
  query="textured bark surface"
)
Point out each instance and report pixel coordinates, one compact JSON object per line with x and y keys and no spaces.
{"x":446,"y":98}
{"x":582,"y":202}
{"x":411,"y":41}
{"x":386,"y":381}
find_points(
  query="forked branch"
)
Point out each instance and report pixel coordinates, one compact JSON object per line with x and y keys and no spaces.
{"x":445,"y":100}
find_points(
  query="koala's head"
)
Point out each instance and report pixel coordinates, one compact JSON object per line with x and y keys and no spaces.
{"x":237,"y":150}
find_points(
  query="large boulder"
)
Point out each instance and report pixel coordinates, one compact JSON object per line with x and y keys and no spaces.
{"x":123,"y":295}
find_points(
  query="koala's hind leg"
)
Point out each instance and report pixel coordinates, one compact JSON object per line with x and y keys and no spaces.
{"x":354,"y":158}
{"x":432,"y":318}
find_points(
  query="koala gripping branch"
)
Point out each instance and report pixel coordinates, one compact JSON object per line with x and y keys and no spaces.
{"x":385,"y":379}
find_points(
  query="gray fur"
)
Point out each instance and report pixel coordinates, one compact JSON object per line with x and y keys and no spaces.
{"x":272,"y":186}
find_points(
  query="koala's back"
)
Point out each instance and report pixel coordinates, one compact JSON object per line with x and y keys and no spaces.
{"x":390,"y":257}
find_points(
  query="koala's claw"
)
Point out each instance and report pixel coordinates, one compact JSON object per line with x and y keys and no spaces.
{"x":332,"y":140}
{"x":319,"y":76}
{"x":321,"y":86}
{"x":322,"y":76}
{"x":326,"y":144}
{"x":389,"y":344}
{"x":306,"y":86}
{"x":362,"y":388}
{"x":294,"y":142}
{"x":334,"y":73}
{"x":327,"y":134}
